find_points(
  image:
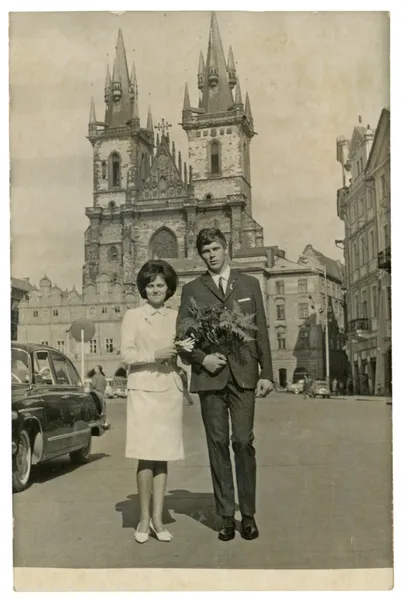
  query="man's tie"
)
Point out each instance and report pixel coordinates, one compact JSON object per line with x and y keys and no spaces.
{"x":220,"y":286}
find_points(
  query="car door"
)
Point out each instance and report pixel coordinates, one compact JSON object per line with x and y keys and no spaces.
{"x":57,"y":418}
{"x":73,"y":398}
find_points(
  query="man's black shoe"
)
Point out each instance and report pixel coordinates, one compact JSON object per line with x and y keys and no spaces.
{"x":249,"y":529}
{"x":227,"y":530}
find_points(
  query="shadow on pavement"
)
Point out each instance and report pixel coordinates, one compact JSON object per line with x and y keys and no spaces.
{"x":59,"y":466}
{"x":199,"y":506}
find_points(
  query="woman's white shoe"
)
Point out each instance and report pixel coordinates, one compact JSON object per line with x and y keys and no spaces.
{"x":140,"y":537}
{"x":163,"y":536}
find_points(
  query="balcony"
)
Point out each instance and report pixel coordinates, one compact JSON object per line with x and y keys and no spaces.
{"x":360,"y":326}
{"x":384,"y":259}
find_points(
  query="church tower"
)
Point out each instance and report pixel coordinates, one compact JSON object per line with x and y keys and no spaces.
{"x":122,"y":158}
{"x":220,"y":129}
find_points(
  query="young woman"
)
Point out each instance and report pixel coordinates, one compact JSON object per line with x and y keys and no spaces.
{"x":155,"y":392}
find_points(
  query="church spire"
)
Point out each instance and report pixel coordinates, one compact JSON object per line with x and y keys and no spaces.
{"x":119,"y":109}
{"x":108,"y":85}
{"x":201,"y":71}
{"x":150,"y":124}
{"x":217,"y":95}
{"x":238,"y":98}
{"x":231,"y":69}
{"x":248,"y":109}
{"x":186,"y":101}
{"x":92,"y":127}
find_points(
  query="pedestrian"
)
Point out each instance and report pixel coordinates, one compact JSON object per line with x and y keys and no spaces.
{"x":154,"y":433}
{"x":304,"y":387}
{"x":341,"y":387}
{"x":227,"y":385}
{"x":99,"y":383}
{"x":334,"y":387}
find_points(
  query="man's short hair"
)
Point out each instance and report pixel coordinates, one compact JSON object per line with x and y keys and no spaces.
{"x":149,"y":272}
{"x":208,"y":236}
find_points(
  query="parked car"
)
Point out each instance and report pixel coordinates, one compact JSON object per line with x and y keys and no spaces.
{"x":52,"y":413}
{"x":318,"y":388}
{"x":296,"y":388}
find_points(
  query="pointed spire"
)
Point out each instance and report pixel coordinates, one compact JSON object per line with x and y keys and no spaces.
{"x":92,"y":114}
{"x":248,"y":108}
{"x":231,"y":69}
{"x":217,"y":95}
{"x":150,"y":124}
{"x":174,"y":153}
{"x":133,"y":89}
{"x":180,"y":166}
{"x":201,"y":71}
{"x":119,"y":109}
{"x":238,"y":98}
{"x":186,"y":102}
{"x":108,"y":85}
{"x":185,"y":173}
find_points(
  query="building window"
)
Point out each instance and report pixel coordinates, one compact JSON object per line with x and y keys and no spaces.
{"x":280,"y":312}
{"x":45,"y":343}
{"x":281,"y":337}
{"x":369,"y":199}
{"x":215,"y":158}
{"x":164,"y":245}
{"x":355,"y":256}
{"x":60,"y":345}
{"x":372,"y":244}
{"x":303,"y":311}
{"x":279,"y":288}
{"x":117,"y":310}
{"x":92,"y":346}
{"x":104,"y":169}
{"x":386,"y":235}
{"x":304,"y":339}
{"x":302,"y":286}
{"x":389,"y":302}
{"x":364,"y":305}
{"x":115,"y":169}
{"x":362,"y":250}
{"x":55,"y":312}
{"x":383,"y":187}
{"x":92,"y":310}
{"x":361,"y":165}
{"x":374,"y":301}
{"x":362,"y":207}
{"x":109,"y":345}
{"x":46,"y":313}
{"x":113,"y":253}
{"x":357,"y":306}
{"x":36,"y":313}
{"x":104,"y":310}
{"x":358,"y":167}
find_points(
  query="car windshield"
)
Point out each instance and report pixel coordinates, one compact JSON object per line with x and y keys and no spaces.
{"x":20,"y":366}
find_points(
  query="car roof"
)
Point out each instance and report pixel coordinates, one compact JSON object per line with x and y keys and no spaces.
{"x":32,"y":346}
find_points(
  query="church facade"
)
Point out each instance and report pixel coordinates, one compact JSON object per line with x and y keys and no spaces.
{"x":149,"y":203}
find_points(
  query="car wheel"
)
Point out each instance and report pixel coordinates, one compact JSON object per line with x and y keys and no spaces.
{"x":296,"y":391}
{"x":81,"y":456}
{"x":22,"y":463}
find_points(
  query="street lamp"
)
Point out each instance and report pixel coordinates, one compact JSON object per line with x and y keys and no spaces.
{"x":324,"y":272}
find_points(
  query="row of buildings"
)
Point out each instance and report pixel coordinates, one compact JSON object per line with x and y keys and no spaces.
{"x":148,"y":203}
{"x":364,"y":205}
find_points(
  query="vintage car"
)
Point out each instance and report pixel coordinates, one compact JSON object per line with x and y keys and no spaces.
{"x":52,"y":414}
{"x":318,"y":388}
{"x":296,"y":388}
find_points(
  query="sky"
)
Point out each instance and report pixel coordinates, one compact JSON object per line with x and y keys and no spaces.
{"x":309,"y":76}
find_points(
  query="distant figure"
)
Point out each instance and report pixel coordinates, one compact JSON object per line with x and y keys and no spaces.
{"x":334,"y":386}
{"x":350,"y":387}
{"x":305,"y":386}
{"x":341,"y":387}
{"x":99,"y":383}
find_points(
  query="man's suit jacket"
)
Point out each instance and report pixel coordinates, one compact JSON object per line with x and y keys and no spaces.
{"x":246,"y":291}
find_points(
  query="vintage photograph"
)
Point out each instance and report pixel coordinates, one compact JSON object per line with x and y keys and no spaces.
{"x":200,"y":295}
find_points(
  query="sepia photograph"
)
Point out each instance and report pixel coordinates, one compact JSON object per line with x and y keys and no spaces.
{"x":201,"y":359}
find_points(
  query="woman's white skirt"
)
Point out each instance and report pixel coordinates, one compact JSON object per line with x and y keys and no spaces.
{"x":155,"y":425}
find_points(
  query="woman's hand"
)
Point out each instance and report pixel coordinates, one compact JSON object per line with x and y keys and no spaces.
{"x":187,"y":344}
{"x":166,"y":353}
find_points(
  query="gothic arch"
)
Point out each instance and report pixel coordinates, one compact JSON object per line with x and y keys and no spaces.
{"x":114,"y":170}
{"x":163,"y":244}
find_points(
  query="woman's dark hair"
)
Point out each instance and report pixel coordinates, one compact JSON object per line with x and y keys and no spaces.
{"x":209,"y":235}
{"x":150,"y":271}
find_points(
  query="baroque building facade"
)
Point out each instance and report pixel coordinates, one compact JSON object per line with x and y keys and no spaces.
{"x":149,"y":203}
{"x":363,"y":204}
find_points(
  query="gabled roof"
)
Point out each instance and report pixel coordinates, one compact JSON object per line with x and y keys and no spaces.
{"x":163,"y":167}
{"x":378,"y":138}
{"x":311,"y":257}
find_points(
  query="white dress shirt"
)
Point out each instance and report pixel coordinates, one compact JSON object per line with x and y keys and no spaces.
{"x":225,"y":277}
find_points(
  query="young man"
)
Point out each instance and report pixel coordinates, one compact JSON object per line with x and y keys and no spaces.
{"x":228,"y":386}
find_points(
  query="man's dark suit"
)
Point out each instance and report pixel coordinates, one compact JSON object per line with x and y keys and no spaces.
{"x":230,"y":389}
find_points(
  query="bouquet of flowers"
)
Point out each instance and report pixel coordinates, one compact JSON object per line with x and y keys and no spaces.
{"x":209,"y":324}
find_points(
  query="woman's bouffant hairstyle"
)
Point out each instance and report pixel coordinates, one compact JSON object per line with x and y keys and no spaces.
{"x":209,"y":235}
{"x":150,"y":271}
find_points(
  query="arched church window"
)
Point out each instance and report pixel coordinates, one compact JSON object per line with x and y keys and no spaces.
{"x":115,"y":169}
{"x":164,"y":245}
{"x":104,"y":169}
{"x":162,"y":184}
{"x":215,"y":158}
{"x":113,"y":253}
